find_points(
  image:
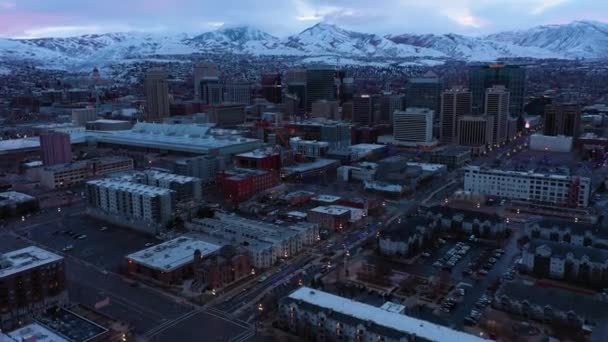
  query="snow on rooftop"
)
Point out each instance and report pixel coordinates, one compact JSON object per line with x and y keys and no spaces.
{"x":331,"y":210}
{"x":392,"y":320}
{"x":326,"y":198}
{"x":172,"y":254}
{"x":138,"y":188}
{"x":24,"y":259}
{"x":15,"y":196}
{"x":36,"y":332}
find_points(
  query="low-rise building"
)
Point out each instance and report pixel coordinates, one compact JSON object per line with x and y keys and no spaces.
{"x":284,"y":241}
{"x":76,"y":173}
{"x":265,"y":159}
{"x":223,"y":268}
{"x":312,"y":170}
{"x":144,"y":207}
{"x":468,"y":221}
{"x":578,"y":234}
{"x":108,"y":125}
{"x":309,"y":148}
{"x":452,"y":156}
{"x":540,"y":187}
{"x":240,"y":184}
{"x":185,"y":188}
{"x":314,"y":314}
{"x":31,"y":280}
{"x":549,"y":259}
{"x":204,"y":167}
{"x":550,"y":304}
{"x":407,"y":238}
{"x":329,"y":217}
{"x":15,"y":203}
{"x":172,"y":261}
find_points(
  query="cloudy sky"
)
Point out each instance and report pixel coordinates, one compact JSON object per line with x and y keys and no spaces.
{"x":43,"y":18}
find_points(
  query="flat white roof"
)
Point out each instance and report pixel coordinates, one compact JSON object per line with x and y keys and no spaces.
{"x":326,"y":198}
{"x":365,"y":312}
{"x":427,"y":166}
{"x":172,"y":254}
{"x":15,"y":196}
{"x":36,"y":332}
{"x":297,"y":214}
{"x":330,"y":210}
{"x":138,"y":188}
{"x":258,"y":154}
{"x":530,"y":173}
{"x":367,"y":147}
{"x":24,"y":259}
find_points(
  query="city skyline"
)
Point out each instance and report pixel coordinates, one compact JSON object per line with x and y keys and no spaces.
{"x":32,"y":19}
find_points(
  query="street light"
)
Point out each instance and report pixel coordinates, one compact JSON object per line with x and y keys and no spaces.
{"x":260,"y":307}
{"x":58,"y":210}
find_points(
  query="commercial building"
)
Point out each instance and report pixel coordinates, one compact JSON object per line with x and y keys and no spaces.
{"x":313,"y":314}
{"x":272,"y":87}
{"x":211,"y":90}
{"x":203,"y":167}
{"x":337,"y":134}
{"x":409,"y":237}
{"x":330,"y":217}
{"x":366,"y":109}
{"x":31,"y":280}
{"x":424,"y":92}
{"x":80,"y":116}
{"x":413,"y":127}
{"x":476,"y":132}
{"x":264,"y":159}
{"x":320,"y":85}
{"x":452,"y":156}
{"x":15,"y":203}
{"x":555,"y":189}
{"x":141,"y":206}
{"x":296,"y":86}
{"x":562,"y":120}
{"x":309,"y":148}
{"x":227,"y":265}
{"x":71,"y":174}
{"x":455,"y":103}
{"x":108,"y":125}
{"x":238,"y":185}
{"x":325,"y":109}
{"x":55,"y":148}
{"x":575,"y":264}
{"x":201,"y":71}
{"x":227,"y":114}
{"x":362,"y":172}
{"x":512,"y":77}
{"x":312,"y":170}
{"x":172,"y":261}
{"x":185,"y":188}
{"x":277,"y":241}
{"x":497,"y":106}
{"x":468,"y":221}
{"x":157,"y":94}
{"x":239,"y":93}
{"x":389,"y":103}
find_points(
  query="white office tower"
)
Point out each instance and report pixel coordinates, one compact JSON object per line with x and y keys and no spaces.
{"x":413,"y":127}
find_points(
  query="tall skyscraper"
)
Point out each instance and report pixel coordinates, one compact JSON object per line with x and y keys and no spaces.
{"x":272,"y":87}
{"x":157,"y":94}
{"x":366,"y":109}
{"x":296,"y":85}
{"x":511,"y":76}
{"x":237,"y":93}
{"x":320,"y":85}
{"x":201,"y":71}
{"x":413,"y":126}
{"x":55,"y":148}
{"x":389,"y":103}
{"x":455,"y":103}
{"x":497,"y":106}
{"x":562,"y":119}
{"x":475,"y":131}
{"x":212,"y":91}
{"x":424,"y":93}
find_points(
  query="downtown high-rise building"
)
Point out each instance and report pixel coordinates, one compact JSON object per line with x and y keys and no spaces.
{"x":157,"y":95}
{"x":511,"y":77}
{"x":295,"y":80}
{"x":320,"y":85}
{"x":475,"y":131}
{"x":366,"y":109}
{"x":413,"y":126}
{"x":455,"y":103}
{"x":212,"y":91}
{"x":562,"y":119}
{"x":201,"y":71}
{"x":424,"y":92}
{"x":272,"y":87}
{"x":55,"y":148}
{"x":497,"y":106}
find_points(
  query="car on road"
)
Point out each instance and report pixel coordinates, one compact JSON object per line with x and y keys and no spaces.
{"x":81,"y":237}
{"x":104,"y":228}
{"x":262,"y":279}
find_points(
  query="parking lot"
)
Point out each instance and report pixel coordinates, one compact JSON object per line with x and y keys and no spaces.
{"x":88,"y":239}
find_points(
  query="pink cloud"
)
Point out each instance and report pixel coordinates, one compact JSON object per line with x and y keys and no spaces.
{"x":15,"y":23}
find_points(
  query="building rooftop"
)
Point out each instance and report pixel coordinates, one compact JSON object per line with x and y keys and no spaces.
{"x":15,"y":197}
{"x":366,"y":147}
{"x":24,"y":259}
{"x":70,"y":325}
{"x":332,"y":210}
{"x":141,"y":189}
{"x":326,"y":198}
{"x":564,"y":250}
{"x":391,"y":320}
{"x":578,"y":228}
{"x":172,"y":254}
{"x":258,"y":154}
{"x":317,"y":164}
{"x":466,"y":215}
{"x":37,"y":333}
{"x":530,"y":173}
{"x":407,"y":228}
{"x":241,"y":173}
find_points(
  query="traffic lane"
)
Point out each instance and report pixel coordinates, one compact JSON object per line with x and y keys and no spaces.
{"x":140,"y":306}
{"x":203,"y":326}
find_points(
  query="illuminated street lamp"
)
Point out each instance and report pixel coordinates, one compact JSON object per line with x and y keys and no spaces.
{"x":58,"y":210}
{"x":253,"y":271}
{"x":22,"y":218}
{"x":213,"y":292}
{"x":260,"y":307}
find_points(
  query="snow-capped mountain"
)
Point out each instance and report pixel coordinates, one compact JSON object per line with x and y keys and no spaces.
{"x":329,"y":39}
{"x":579,"y":39}
{"x":472,"y":48}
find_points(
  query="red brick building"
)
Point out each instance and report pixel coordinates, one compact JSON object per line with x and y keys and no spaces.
{"x":223,"y":268}
{"x":239,"y":184}
{"x":259,"y":159}
{"x":31,"y":280}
